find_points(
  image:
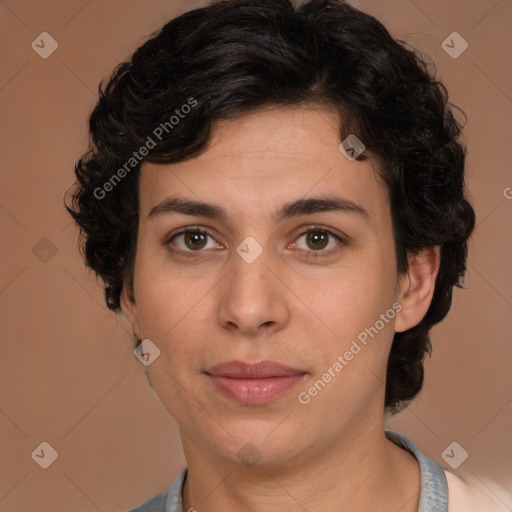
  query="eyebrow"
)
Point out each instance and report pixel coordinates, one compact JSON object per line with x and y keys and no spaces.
{"x":305,"y":206}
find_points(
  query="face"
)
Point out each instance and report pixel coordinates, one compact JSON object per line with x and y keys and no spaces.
{"x":268,"y":275}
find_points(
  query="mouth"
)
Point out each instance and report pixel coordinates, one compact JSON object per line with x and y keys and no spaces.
{"x":253,"y":384}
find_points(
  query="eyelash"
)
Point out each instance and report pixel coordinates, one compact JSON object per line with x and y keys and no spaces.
{"x":311,"y":254}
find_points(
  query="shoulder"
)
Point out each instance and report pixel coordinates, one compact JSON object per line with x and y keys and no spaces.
{"x":470,"y":494}
{"x":460,"y":492}
{"x":167,"y":501}
{"x":154,"y":504}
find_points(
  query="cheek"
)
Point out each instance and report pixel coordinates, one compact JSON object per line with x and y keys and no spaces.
{"x":174,"y":312}
{"x":162,"y":295}
{"x":358,"y":309}
{"x":355,"y":297}
{"x":351,"y":366}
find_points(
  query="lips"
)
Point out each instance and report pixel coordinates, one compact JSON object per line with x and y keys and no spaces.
{"x":256,"y":383}
{"x":262,"y":370}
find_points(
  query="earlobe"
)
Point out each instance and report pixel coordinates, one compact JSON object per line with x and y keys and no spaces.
{"x":417,"y":288}
{"x":129,"y":308}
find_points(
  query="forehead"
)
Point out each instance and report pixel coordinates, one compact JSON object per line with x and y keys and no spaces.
{"x":278,"y":129}
{"x":266,"y":158}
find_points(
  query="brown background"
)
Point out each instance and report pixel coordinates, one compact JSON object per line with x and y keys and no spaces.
{"x":67,"y":372}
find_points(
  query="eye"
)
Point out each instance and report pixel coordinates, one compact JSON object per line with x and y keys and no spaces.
{"x":319,"y":241}
{"x":192,"y":240}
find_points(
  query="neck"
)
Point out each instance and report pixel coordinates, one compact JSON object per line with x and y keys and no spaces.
{"x":356,"y":473}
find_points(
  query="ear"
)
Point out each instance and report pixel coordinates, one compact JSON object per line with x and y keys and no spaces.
{"x":416,"y":288}
{"x":129,"y":308}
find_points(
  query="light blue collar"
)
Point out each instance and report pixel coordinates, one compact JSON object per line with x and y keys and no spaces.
{"x":434,"y":489}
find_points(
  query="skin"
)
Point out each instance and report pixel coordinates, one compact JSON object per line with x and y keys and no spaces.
{"x":330,"y":454}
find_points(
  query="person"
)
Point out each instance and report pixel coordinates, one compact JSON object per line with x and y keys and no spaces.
{"x":274,"y":197}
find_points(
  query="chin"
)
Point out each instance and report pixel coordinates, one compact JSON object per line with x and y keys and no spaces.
{"x":263,"y":447}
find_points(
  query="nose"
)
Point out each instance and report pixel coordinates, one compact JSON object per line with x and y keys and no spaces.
{"x":253,"y":298}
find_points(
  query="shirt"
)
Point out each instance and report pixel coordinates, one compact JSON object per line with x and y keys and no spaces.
{"x":435,"y":482}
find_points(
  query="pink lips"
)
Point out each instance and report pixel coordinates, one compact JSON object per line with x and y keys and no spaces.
{"x":252,"y":384}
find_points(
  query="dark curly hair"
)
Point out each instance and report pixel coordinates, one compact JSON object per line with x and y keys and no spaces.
{"x":233,"y":56}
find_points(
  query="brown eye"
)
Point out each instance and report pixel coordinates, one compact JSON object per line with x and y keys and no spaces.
{"x":195,"y":240}
{"x":317,"y":239}
{"x":192,"y":242}
{"x":318,"y":242}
